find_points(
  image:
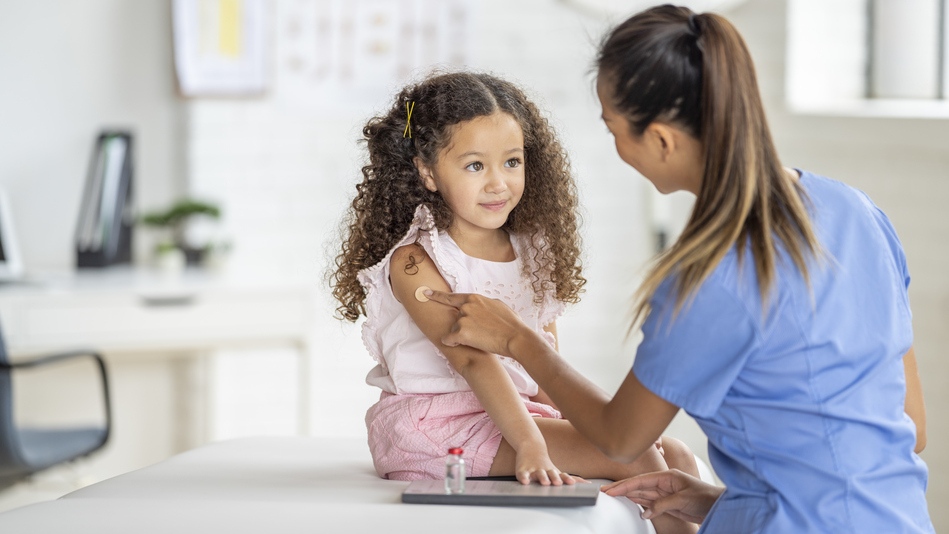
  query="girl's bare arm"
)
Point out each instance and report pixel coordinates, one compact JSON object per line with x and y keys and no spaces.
{"x":483,"y":372}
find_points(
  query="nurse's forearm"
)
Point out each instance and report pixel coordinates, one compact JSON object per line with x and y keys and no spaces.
{"x":579,"y":397}
{"x":914,"y":405}
{"x":619,"y":427}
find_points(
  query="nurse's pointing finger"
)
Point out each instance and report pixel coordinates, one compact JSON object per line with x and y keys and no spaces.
{"x":454,"y":300}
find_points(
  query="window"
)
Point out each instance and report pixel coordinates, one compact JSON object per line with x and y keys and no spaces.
{"x":869,"y":57}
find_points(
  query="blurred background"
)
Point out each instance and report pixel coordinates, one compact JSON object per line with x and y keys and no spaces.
{"x":244,"y":118}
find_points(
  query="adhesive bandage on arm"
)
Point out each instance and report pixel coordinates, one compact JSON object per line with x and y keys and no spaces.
{"x":420,"y":293}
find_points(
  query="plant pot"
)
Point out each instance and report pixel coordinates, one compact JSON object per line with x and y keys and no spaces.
{"x":194,"y":257}
{"x":170,"y":262}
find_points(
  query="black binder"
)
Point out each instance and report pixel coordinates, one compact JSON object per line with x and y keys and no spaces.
{"x":502,"y":493}
{"x":104,"y":230}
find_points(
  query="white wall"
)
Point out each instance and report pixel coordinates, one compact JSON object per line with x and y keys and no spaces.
{"x":69,"y":69}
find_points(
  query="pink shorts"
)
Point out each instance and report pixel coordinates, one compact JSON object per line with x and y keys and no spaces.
{"x":409,"y":435}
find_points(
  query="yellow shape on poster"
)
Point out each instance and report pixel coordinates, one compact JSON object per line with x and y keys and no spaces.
{"x":229,"y":28}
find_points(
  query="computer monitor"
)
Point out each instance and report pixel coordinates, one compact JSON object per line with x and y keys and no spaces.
{"x":11,"y":267}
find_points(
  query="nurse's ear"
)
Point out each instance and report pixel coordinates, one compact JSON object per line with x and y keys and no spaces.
{"x":426,"y":174}
{"x":662,"y":140}
{"x":678,"y":154}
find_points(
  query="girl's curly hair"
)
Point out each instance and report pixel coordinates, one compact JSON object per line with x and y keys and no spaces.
{"x":391,"y":188}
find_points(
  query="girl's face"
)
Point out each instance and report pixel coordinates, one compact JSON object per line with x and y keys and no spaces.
{"x":480,"y":174}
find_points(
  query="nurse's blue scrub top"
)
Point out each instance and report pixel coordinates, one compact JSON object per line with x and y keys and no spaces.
{"x":803,"y":407}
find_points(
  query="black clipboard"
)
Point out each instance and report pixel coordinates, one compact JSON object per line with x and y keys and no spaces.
{"x":502,"y":493}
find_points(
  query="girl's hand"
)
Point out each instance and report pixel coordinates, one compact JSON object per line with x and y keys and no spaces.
{"x":668,"y":492}
{"x":483,"y":323}
{"x":533,"y":464}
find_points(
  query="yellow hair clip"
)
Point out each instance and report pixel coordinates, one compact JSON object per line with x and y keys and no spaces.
{"x":408,"y":120}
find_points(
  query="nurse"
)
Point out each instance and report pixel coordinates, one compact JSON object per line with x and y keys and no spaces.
{"x":779,"y":320}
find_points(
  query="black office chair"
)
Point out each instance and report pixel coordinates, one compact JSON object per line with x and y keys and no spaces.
{"x":26,"y":450}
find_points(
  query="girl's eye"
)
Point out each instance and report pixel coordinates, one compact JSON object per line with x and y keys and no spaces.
{"x":513,"y":162}
{"x":475,"y":166}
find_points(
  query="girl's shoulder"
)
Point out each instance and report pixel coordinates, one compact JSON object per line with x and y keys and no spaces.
{"x":408,"y":256}
{"x":422,"y":240}
{"x":423,"y":224}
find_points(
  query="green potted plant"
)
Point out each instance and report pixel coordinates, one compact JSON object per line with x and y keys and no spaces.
{"x":175,"y":221}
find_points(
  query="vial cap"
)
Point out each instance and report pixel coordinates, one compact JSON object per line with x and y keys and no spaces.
{"x":455,"y":450}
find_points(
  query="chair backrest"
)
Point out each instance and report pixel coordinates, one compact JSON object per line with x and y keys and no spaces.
{"x":70,"y":443}
{"x":10,"y":461}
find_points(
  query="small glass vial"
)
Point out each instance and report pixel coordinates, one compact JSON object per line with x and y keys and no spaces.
{"x":455,"y":471}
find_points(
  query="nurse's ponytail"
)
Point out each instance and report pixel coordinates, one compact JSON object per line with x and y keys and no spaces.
{"x":670,"y":65}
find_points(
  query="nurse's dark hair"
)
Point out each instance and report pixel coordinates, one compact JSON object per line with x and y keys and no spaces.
{"x":391,"y":187}
{"x":693,"y":71}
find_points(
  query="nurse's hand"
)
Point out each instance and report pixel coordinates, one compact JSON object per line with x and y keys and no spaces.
{"x":483,"y":323}
{"x":668,"y":492}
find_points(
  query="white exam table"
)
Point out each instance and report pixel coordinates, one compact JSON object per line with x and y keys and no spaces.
{"x":290,"y":485}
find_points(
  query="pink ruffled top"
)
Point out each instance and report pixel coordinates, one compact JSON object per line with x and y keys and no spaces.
{"x":407,"y":362}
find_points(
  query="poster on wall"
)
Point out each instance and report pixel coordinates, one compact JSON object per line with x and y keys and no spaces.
{"x":221,"y":47}
{"x":334,"y":55}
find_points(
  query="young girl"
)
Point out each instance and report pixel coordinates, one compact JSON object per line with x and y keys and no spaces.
{"x":468,"y":189}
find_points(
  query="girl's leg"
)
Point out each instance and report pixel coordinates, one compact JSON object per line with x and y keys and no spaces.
{"x":572,"y":453}
{"x":678,"y":456}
